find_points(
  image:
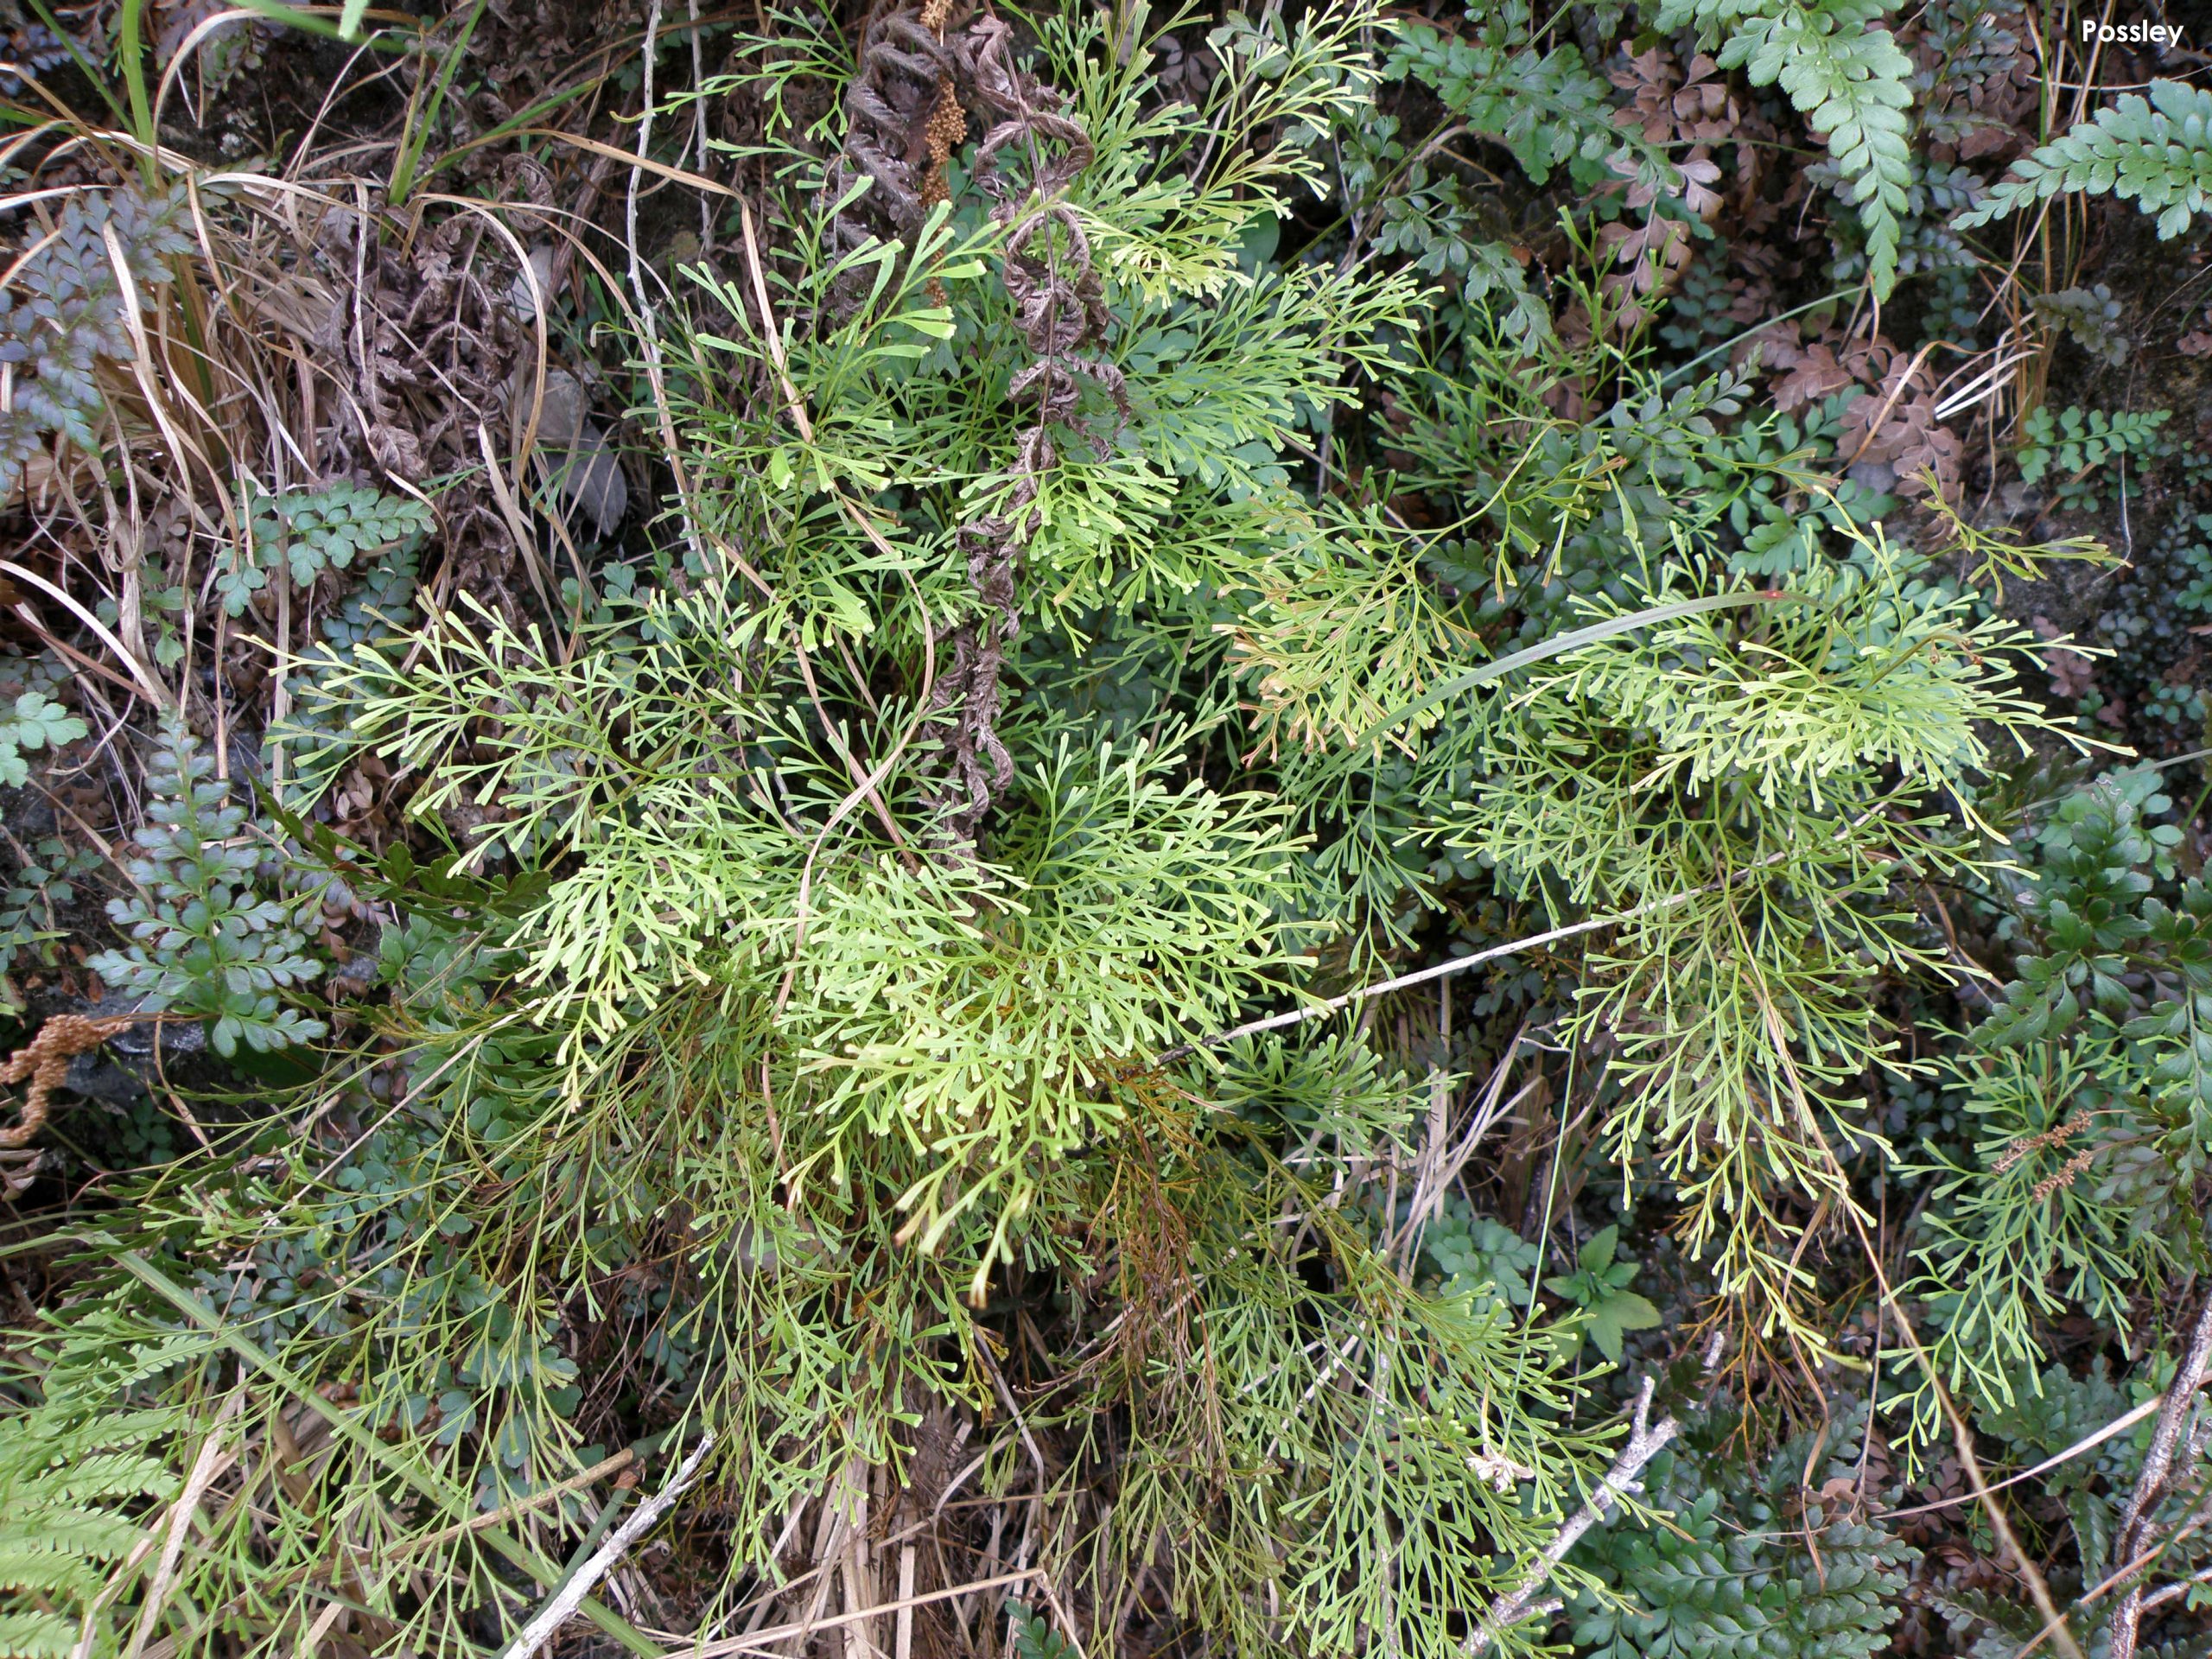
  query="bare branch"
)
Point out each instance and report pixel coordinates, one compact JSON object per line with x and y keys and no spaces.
{"x":2137,"y":1529}
{"x":1459,"y":964}
{"x":1646,"y":1441}
{"x":557,"y":1611}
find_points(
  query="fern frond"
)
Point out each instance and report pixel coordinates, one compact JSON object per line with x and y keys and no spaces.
{"x":2156,"y":153}
{"x":1546,"y":107}
{"x":205,"y":941}
{"x":308,"y":531}
{"x":112,"y":1474}
{"x":93,"y":1534}
{"x":27,"y":1563}
{"x":1851,"y":81}
{"x":36,"y":1635}
{"x":78,"y":1480}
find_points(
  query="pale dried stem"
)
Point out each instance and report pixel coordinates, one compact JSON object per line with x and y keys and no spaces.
{"x":2138,"y":1528}
{"x":1646,"y":1441}
{"x":556,"y":1612}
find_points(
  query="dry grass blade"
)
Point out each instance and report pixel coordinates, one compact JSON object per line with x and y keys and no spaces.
{"x":762,"y":1641}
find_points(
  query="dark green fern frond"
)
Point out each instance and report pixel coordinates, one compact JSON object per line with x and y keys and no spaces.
{"x":65,"y":315}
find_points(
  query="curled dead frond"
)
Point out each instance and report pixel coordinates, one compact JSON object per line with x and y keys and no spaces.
{"x":1060,"y":306}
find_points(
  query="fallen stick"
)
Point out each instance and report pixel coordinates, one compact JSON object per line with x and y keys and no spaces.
{"x":1461,"y":964}
{"x":570,"y":1596}
{"x":1646,"y":1441}
{"x":2139,"y":1530}
{"x":758,"y":1641}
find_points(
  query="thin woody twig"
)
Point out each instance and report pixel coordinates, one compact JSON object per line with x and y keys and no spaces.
{"x":1459,"y":964}
{"x":2122,"y":1574}
{"x":2088,"y":1442}
{"x":1646,"y":1441}
{"x":2138,"y":1526}
{"x":556,"y":1612}
{"x":758,"y":1640}
{"x":2175,"y":1592}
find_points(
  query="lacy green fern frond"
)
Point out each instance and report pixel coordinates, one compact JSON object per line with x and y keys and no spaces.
{"x":1344,"y":623}
{"x":2156,"y":153}
{"x":2028,"y":1228}
{"x":1745,"y":797}
{"x":965,"y":1012}
{"x":1220,"y":870}
{"x":1167,"y":200}
{"x":2089,"y":1123}
{"x":1342,"y":1416}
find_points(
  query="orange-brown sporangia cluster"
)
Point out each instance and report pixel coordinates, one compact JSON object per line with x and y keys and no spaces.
{"x":45,"y":1061}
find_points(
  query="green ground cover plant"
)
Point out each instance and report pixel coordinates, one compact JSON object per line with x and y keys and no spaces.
{"x":1048,"y":829}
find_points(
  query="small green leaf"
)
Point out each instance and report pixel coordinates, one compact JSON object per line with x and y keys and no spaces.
{"x":1622,"y":1312}
{"x":41,"y":721}
{"x":1597,"y":1253}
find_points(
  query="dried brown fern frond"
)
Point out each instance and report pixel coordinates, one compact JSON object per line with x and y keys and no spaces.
{"x":1060,"y":308}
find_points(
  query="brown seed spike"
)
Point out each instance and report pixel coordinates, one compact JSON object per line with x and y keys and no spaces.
{"x":2063,"y":1176}
{"x":2057,"y":1136}
{"x":947,"y":126}
{"x":45,"y":1061}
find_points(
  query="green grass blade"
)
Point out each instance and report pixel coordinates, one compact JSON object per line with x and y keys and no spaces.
{"x":1560,"y":645}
